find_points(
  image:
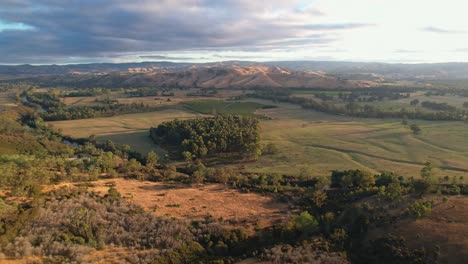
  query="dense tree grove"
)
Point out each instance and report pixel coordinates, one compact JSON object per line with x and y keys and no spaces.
{"x":199,"y":137}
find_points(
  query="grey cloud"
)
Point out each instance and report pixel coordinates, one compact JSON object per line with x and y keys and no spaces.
{"x":169,"y":58}
{"x":336,"y":26}
{"x":74,"y":30}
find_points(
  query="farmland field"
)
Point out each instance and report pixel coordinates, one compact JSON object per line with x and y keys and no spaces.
{"x":131,"y":129}
{"x":223,"y":107}
{"x":316,"y":143}
{"x":309,"y":142}
{"x":180,"y":96}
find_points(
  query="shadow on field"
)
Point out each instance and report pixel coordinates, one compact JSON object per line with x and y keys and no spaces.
{"x":138,"y":141}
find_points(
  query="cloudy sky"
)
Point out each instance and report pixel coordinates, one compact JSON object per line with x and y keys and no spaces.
{"x":76,"y":31}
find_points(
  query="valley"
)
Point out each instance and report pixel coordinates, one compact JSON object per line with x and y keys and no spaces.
{"x":237,"y":172}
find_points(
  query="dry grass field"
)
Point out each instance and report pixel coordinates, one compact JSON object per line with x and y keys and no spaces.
{"x":191,"y":203}
{"x":446,"y":226}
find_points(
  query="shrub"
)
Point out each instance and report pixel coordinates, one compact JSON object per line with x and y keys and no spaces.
{"x":304,"y":224}
{"x":420,"y":208}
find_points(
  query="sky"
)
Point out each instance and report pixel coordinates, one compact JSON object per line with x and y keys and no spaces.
{"x":85,"y":31}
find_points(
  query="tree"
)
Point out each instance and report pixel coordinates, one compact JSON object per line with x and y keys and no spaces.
{"x":270,"y":148}
{"x":391,"y":192}
{"x":253,"y":151}
{"x":198,"y":176}
{"x":304,"y":224}
{"x":187,"y":156}
{"x":319,"y":198}
{"x":405,"y":120}
{"x":416,"y":129}
{"x":465,"y":104}
{"x":109,"y":145}
{"x":223,"y":175}
{"x":420,"y":208}
{"x":425,"y":185}
{"x":106,"y":161}
{"x":352,"y":178}
{"x":152,"y":159}
{"x":414,"y":102}
{"x":126,"y":148}
{"x":422,"y":187}
{"x":426,"y":171}
{"x":92,"y":138}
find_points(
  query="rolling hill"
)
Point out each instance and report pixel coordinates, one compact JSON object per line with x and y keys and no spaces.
{"x":204,"y":77}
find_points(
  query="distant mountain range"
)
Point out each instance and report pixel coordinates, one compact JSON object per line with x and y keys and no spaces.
{"x":428,"y":70}
{"x":203,"y":77}
{"x":325,"y":74}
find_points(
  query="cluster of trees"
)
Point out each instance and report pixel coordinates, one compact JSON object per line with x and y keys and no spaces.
{"x":360,"y":110}
{"x":203,"y":136}
{"x":394,"y":249}
{"x":415,"y":128}
{"x":38,"y":155}
{"x":102,"y":110}
{"x":141,"y":92}
{"x":438,"y":106}
{"x":52,"y":109}
{"x":333,"y":210}
{"x":373,"y":95}
{"x":208,"y":92}
{"x":86,"y":92}
{"x":16,"y":86}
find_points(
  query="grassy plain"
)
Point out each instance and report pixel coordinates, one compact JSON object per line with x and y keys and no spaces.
{"x":180,"y":96}
{"x":131,"y":129}
{"x":316,"y":143}
{"x":309,"y":142}
{"x":223,"y":107}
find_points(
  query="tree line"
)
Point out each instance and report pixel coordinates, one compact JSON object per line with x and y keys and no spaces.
{"x":52,"y":109}
{"x":359,"y":110}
